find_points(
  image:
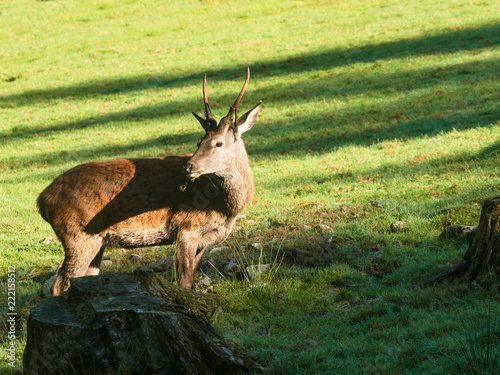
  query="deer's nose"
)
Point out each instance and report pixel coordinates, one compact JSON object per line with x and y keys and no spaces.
{"x":188,"y":168}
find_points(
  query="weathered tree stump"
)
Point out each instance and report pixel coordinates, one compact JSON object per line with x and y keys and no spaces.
{"x":483,"y":256}
{"x":107,"y":324}
{"x":481,"y":261}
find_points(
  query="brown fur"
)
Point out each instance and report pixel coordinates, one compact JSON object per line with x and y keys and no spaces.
{"x":148,"y":202}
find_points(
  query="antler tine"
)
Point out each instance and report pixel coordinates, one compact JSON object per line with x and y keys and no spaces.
{"x":205,"y":97}
{"x":242,"y":91}
{"x":208,"y":112}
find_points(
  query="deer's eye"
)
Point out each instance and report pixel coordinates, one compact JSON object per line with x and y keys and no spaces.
{"x":218,"y":144}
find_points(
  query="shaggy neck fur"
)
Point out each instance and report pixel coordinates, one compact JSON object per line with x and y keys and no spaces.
{"x":237,"y":182}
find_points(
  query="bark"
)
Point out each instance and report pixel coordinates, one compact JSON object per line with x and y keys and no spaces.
{"x":483,"y":256}
{"x":481,"y":262}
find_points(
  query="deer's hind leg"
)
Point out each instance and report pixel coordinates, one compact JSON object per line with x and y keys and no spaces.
{"x":83,"y":256}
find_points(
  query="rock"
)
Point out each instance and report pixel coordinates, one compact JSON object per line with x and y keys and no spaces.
{"x":323,"y":227}
{"x":306,"y":227}
{"x":397,"y":226}
{"x":107,"y":254}
{"x":459,"y":232}
{"x":255,"y":246}
{"x":203,"y":283}
{"x":134,"y":257}
{"x":257,"y":270}
{"x":106,"y":263}
{"x":228,"y":268}
{"x":218,"y":249}
{"x":335,"y":239}
{"x":231,"y":268}
{"x":162,"y":265}
{"x":334,"y":243}
{"x":207,"y":265}
{"x":50,"y":239}
{"x":107,"y":324}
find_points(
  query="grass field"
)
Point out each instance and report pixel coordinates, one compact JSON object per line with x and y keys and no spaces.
{"x":373,"y":112}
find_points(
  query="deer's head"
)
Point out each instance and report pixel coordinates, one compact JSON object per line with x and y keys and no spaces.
{"x":219,"y":149}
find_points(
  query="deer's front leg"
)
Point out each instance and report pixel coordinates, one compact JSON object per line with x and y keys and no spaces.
{"x":186,"y":257}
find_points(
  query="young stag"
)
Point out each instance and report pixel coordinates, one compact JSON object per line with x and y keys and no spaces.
{"x":189,"y":199}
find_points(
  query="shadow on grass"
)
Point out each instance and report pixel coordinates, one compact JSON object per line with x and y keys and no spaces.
{"x":405,"y":104}
{"x":490,"y":151}
{"x":447,"y":42}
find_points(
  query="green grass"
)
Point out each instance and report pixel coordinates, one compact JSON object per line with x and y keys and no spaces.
{"x":388,"y":101}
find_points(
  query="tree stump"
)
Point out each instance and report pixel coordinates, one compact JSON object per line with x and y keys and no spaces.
{"x":481,"y":262}
{"x":108,"y":324}
{"x":483,"y":256}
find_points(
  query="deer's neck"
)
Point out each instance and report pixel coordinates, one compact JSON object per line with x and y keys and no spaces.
{"x":237,"y":183}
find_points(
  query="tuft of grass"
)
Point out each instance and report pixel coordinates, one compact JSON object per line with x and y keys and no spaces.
{"x":479,"y":352}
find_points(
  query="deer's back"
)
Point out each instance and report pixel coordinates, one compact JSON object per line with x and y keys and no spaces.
{"x":100,"y":193}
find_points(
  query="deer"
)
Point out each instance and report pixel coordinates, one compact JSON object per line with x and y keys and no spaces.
{"x":190,"y":200}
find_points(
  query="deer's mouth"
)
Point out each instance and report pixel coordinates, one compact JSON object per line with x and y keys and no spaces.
{"x":194,"y":175}
{"x":190,"y":172}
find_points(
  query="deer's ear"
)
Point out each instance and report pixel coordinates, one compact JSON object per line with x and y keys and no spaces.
{"x":246,"y":121}
{"x":204,"y":123}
